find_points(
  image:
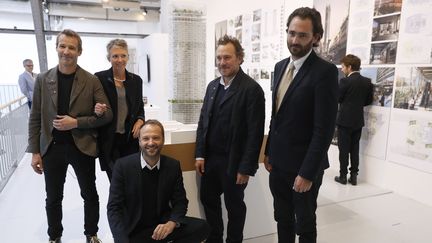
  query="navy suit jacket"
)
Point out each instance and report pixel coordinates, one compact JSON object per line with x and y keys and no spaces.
{"x":125,"y":197}
{"x":302,"y":129}
{"x":246,"y":127}
{"x":133,"y":88}
{"x":355,"y":92}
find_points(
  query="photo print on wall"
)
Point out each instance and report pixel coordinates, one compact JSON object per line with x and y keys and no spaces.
{"x":334,"y":16}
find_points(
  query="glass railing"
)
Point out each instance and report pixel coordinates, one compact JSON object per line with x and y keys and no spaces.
{"x":13,"y":136}
{"x":9,"y":93}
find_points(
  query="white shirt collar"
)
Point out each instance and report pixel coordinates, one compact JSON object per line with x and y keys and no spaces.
{"x":299,"y":62}
{"x":221,"y":81}
{"x":352,"y":73}
{"x":145,"y":164}
{"x":30,"y":73}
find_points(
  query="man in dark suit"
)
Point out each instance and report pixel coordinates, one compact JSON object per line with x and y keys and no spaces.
{"x":62,"y":131}
{"x":301,"y":128}
{"x":229,"y":137}
{"x":147,"y":200}
{"x":355,"y":92}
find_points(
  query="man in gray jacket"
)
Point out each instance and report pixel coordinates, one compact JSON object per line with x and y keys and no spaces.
{"x":62,"y":132}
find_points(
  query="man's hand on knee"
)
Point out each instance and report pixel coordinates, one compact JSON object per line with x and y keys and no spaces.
{"x":163,"y":230}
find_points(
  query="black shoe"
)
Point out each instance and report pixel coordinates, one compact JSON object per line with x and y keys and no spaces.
{"x":57,"y":240}
{"x":353,"y":180}
{"x":341,"y":179}
{"x":93,"y":239}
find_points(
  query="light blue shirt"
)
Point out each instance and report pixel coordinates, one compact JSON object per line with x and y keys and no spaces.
{"x":26,"y":83}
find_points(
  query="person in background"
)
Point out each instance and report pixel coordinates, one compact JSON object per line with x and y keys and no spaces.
{"x":228,"y":142}
{"x":355,"y":92}
{"x":301,"y":128}
{"x":62,"y":132}
{"x":124,"y":90}
{"x":147,"y":200}
{"x":26,"y":81}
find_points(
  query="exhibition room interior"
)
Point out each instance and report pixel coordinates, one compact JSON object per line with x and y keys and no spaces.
{"x":172,"y":48}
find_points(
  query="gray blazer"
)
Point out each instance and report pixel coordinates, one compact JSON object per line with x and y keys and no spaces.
{"x":86,"y":92}
{"x":26,"y":83}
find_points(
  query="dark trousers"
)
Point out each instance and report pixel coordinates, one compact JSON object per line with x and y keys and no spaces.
{"x":192,"y":230}
{"x":294,"y":212}
{"x":122,"y":147}
{"x":214,"y":182}
{"x":29,"y":103}
{"x":348,"y":144}
{"x":55,"y":164}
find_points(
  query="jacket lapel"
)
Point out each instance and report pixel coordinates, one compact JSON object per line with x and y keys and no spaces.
{"x":299,"y":76}
{"x":52,"y":83}
{"x":234,"y":86}
{"x":212,"y":94}
{"x":130,"y":89}
{"x":278,"y":79}
{"x":111,"y":91}
{"x":137,"y":172}
{"x":161,"y":184}
{"x":77,"y":86}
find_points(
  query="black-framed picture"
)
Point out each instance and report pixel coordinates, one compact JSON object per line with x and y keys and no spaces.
{"x":148,"y":69}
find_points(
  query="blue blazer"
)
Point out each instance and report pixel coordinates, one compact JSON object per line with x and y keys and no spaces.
{"x":302,"y":129}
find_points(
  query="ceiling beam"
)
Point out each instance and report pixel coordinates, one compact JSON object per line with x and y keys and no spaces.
{"x":90,"y":34}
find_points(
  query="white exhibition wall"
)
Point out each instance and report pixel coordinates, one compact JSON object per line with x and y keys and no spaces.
{"x":153,"y":54}
{"x":387,"y":159}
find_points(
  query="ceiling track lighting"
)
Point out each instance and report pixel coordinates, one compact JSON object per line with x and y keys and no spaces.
{"x":45,"y":8}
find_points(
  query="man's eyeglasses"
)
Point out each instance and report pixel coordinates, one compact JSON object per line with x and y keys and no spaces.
{"x":29,"y":65}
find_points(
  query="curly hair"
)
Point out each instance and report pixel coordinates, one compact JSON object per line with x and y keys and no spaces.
{"x":236,"y":43}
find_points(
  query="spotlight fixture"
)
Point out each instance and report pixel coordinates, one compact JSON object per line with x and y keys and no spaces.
{"x":144,"y":11}
{"x":45,"y":7}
